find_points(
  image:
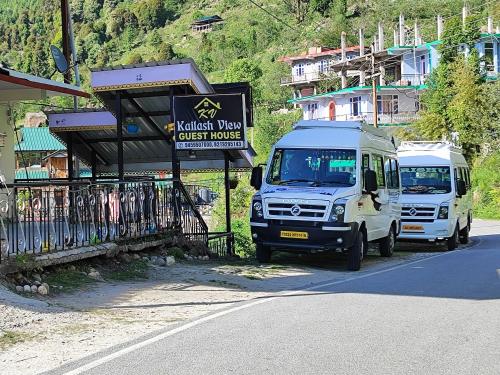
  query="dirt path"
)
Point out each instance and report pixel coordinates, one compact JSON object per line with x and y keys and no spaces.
{"x":42,"y":334}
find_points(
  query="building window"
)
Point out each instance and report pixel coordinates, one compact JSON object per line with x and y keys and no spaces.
{"x":488,"y":57}
{"x":323,"y":66}
{"x":355,"y":105}
{"x":422,"y":65}
{"x":299,"y":70}
{"x":312,"y":108}
{"x":387,"y":104}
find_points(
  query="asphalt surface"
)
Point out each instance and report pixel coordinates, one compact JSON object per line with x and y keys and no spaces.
{"x":438,"y":315}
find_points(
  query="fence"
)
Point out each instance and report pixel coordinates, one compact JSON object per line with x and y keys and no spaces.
{"x":49,"y":217}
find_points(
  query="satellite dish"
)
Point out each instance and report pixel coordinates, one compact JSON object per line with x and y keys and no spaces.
{"x":62,"y":65}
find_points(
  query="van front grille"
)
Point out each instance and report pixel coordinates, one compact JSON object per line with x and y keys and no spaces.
{"x":418,"y":211}
{"x":299,"y":209}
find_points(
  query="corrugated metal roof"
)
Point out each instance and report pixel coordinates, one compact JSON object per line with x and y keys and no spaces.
{"x":38,"y":139}
{"x":33,"y":174}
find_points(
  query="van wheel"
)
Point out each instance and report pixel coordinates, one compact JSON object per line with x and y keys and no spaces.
{"x":386,"y":244}
{"x":453,"y":240}
{"x":355,"y":254}
{"x":464,"y":234}
{"x":263,"y":254}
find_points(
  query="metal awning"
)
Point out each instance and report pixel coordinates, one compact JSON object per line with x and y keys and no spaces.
{"x":141,"y":96}
{"x":16,"y":86}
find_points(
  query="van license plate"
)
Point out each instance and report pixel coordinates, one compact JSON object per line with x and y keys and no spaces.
{"x":413,"y":227}
{"x":291,"y":234}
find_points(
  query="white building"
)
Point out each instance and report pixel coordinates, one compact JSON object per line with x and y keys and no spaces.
{"x":400,"y":71}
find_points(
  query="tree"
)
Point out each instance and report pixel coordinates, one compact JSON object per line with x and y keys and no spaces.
{"x":91,"y":9}
{"x":322,"y":6}
{"x":165,"y":52}
{"x":299,"y":8}
{"x":150,"y":14}
{"x":243,"y":70}
{"x":133,"y":58}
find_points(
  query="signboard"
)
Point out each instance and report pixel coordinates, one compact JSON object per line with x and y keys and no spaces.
{"x":210,"y":122}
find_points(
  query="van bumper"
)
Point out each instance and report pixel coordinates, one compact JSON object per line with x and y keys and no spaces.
{"x":320,"y":235}
{"x":435,"y":231}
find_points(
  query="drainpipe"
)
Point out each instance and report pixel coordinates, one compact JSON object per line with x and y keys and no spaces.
{"x":490,"y":25}
{"x":396,"y":37}
{"x":465,"y":13}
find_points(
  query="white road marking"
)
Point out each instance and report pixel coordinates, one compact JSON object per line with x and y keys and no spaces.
{"x":197,"y":322}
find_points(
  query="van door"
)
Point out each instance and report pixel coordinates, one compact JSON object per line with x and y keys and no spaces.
{"x":461,"y":202}
{"x":376,"y":207}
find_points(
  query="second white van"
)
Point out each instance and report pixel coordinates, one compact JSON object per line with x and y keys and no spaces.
{"x":436,"y":198}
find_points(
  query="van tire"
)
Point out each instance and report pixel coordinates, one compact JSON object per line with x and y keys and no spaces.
{"x":452,"y":241}
{"x":386,"y":244}
{"x":263,"y":253}
{"x":464,"y":234}
{"x":355,"y":253}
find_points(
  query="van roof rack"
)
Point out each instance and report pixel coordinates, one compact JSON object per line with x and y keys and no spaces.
{"x":428,"y":145}
{"x":356,"y":125}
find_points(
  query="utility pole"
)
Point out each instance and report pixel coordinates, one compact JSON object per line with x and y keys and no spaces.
{"x":65,"y":37}
{"x":374,"y":88}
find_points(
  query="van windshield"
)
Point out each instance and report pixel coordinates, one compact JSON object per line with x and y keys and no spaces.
{"x":425,"y":180}
{"x":312,"y":167}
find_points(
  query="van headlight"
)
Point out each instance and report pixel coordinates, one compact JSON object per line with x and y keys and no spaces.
{"x":257,"y":209}
{"x":443,"y":211}
{"x":338,"y":210}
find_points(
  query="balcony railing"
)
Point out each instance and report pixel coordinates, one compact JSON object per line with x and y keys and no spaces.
{"x":307,"y":77}
{"x":383,"y":118}
{"x":411,"y":80}
{"x":38,"y":218}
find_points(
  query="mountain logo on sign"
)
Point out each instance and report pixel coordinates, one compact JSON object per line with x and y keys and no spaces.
{"x":206,"y":108}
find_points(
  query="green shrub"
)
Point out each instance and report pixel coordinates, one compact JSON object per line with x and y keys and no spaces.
{"x":486,"y":187}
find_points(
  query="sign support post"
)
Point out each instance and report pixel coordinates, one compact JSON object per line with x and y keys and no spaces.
{"x":227,"y":192}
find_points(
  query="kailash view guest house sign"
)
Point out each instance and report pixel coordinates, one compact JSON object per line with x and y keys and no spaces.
{"x":210,"y":122}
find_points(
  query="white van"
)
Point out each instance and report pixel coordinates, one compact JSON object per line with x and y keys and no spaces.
{"x":328,"y":185}
{"x":436,"y":197}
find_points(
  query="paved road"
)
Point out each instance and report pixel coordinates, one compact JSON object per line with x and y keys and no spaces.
{"x":439,"y":315}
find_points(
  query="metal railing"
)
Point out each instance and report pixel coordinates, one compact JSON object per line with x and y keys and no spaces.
{"x":411,"y":80}
{"x":383,"y":118}
{"x":38,"y":218}
{"x":308,"y":77}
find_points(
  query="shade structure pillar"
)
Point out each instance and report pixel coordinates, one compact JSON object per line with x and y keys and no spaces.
{"x":119,"y":134}
{"x":176,"y":173}
{"x":227,"y":191}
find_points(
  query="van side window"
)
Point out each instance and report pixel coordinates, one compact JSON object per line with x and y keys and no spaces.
{"x":393,"y":173}
{"x":467,"y":173}
{"x":378,"y":167}
{"x":365,"y":165}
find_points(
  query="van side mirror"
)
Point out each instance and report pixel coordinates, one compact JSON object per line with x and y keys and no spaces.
{"x":461,"y":188}
{"x":370,"y":181}
{"x":256,"y":179}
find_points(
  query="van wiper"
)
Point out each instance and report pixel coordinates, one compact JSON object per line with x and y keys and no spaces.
{"x":284,"y":182}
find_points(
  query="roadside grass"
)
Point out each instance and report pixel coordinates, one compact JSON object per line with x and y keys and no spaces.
{"x":69,"y":280}
{"x":135,"y":270}
{"x":10,"y":338}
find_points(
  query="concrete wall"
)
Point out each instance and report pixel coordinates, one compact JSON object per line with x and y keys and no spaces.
{"x":7,"y":155}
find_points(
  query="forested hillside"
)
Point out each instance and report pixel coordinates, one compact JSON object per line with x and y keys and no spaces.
{"x":254,"y":34}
